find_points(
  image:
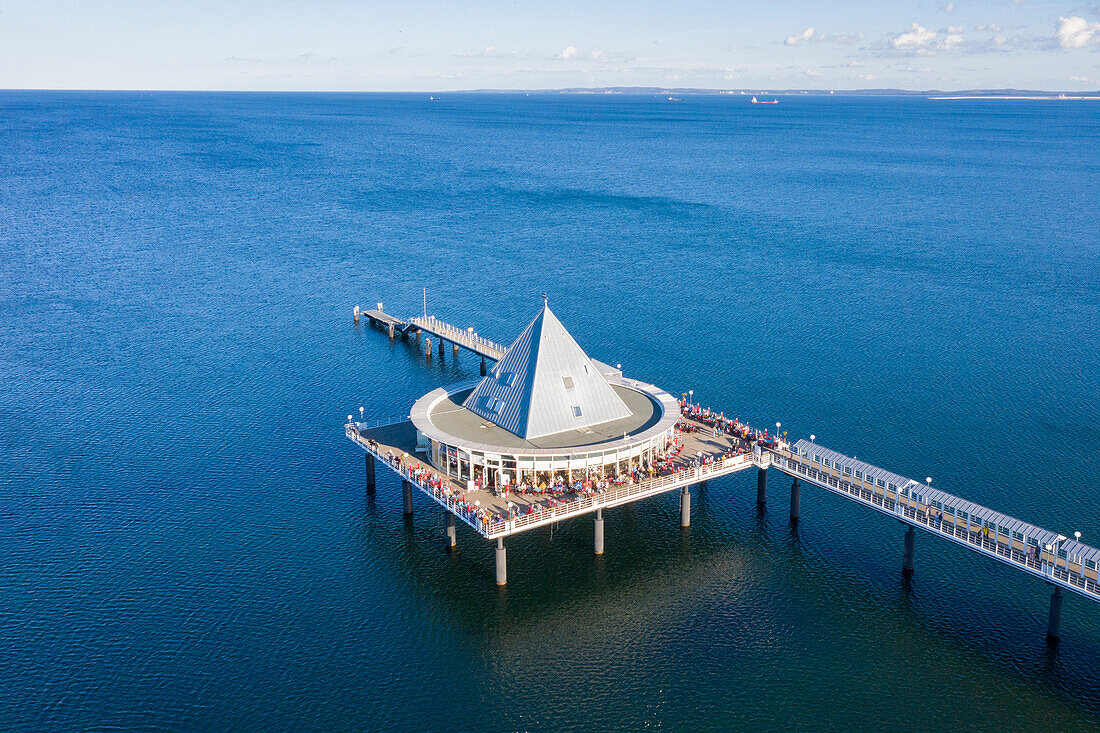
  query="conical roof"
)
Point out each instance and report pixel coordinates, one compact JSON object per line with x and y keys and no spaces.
{"x":545,"y":384}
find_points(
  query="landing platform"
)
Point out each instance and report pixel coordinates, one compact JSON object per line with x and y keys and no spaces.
{"x":396,"y":446}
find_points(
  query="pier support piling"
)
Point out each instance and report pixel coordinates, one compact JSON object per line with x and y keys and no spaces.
{"x":1054,"y":620}
{"x":428,"y":347}
{"x":502,"y":562}
{"x":449,"y":538}
{"x":910,"y":546}
{"x":454,"y":349}
{"x":407,"y":497}
{"x":597,"y":533}
{"x":796,"y":500}
{"x":391,"y":332}
{"x":442,"y":348}
{"x":355,"y":315}
{"x":761,"y":486}
{"x":685,"y":507}
{"x":370,"y":474}
{"x":483,"y":370}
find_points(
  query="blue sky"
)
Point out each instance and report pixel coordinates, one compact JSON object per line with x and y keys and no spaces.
{"x":462,"y":44}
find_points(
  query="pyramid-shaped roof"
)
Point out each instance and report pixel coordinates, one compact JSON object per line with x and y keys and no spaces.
{"x":545,"y":384}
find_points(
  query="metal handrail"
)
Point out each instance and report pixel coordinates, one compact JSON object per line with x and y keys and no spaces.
{"x":921,"y":518}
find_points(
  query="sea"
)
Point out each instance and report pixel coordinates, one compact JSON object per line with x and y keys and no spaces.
{"x":187,"y":541}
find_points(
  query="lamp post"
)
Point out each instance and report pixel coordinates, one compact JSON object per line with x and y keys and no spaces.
{"x":691,"y":398}
{"x":360,"y":414}
{"x":777,"y":426}
{"x":813,"y":438}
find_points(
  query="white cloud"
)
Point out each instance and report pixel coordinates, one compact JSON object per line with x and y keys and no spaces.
{"x":1074,"y":32}
{"x":989,"y":27}
{"x":1082,"y":79}
{"x":916,"y":37}
{"x":868,"y":77}
{"x":805,"y":35}
{"x":949,"y":8}
{"x":812,"y":72}
{"x":570,"y":52}
{"x":955,"y":29}
{"x":810,"y":36}
{"x":487,"y":52}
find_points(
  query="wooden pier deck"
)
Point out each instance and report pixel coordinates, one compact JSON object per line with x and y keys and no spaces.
{"x":395,"y":446}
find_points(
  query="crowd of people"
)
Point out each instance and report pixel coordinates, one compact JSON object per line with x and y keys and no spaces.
{"x":549,"y":492}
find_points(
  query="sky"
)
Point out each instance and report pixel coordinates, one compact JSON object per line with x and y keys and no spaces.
{"x":412,"y":45}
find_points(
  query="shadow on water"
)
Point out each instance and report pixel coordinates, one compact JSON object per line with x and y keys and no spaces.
{"x":651,"y":567}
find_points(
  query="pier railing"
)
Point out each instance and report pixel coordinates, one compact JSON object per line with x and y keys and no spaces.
{"x":459,"y":508}
{"x":461,"y":337}
{"x":920,"y":516}
{"x":620,"y":495}
{"x":563,"y":509}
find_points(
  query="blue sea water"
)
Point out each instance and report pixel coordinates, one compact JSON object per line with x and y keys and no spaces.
{"x":186,"y":538}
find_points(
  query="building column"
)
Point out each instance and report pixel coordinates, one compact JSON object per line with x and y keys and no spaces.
{"x":370,"y":474}
{"x":796,"y":500}
{"x":407,"y":495}
{"x":483,"y":369}
{"x":449,"y":539}
{"x":761,"y":486}
{"x":1054,"y":621}
{"x":685,"y":507}
{"x":597,"y":545}
{"x":907,"y":563}
{"x":502,"y":562}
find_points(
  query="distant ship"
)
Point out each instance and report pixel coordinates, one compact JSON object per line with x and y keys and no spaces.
{"x":754,"y":100}
{"x":675,"y":99}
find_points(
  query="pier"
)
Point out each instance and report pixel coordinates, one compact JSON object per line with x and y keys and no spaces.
{"x":501,"y":456}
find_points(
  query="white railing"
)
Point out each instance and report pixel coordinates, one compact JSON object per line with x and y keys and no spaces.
{"x":608,"y":498}
{"x":460,"y":509}
{"x":378,"y":422}
{"x":919,"y":517}
{"x":457,"y":335}
{"x":613,"y":497}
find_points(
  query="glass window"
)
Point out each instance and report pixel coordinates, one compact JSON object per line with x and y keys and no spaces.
{"x":859,"y":474}
{"x":1062,"y":554}
{"x":576,"y":410}
{"x":893,"y":487}
{"x":881,"y":483}
{"x":568,"y":382}
{"x":847,"y":470}
{"x":1018,"y":536}
{"x":1090,"y":564}
{"x":507,"y":379}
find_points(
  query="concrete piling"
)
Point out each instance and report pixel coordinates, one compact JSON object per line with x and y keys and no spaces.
{"x":685,"y":507}
{"x":449,"y":537}
{"x":502,"y":562}
{"x":796,"y":500}
{"x":907,"y":563}
{"x":391,"y":332}
{"x":355,"y":315}
{"x":407,"y":497}
{"x":428,"y":347}
{"x":1054,"y":620}
{"x":483,"y":369}
{"x":597,"y":546}
{"x":454,"y":349}
{"x":370,"y":474}
{"x":761,"y":486}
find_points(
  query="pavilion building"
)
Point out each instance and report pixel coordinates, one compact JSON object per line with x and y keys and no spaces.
{"x":545,"y":411}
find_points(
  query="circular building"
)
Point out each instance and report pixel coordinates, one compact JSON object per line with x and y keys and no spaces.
{"x":546,"y":411}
